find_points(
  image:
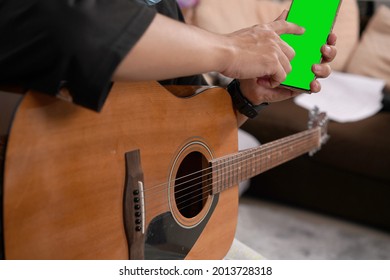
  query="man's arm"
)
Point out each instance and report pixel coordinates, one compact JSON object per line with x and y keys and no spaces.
{"x":170,"y":49}
{"x":256,"y":55}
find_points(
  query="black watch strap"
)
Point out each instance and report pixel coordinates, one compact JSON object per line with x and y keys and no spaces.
{"x":243,"y":105}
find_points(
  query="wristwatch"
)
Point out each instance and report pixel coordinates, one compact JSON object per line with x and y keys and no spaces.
{"x":243,"y":105}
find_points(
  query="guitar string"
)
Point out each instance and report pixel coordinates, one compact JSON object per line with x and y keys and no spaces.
{"x":268,"y":158}
{"x":207,"y":186}
{"x":302,"y":151}
{"x":223,"y":174}
{"x":239,"y":160}
{"x":196,"y":201}
{"x":206,"y":190}
{"x":244,"y":154}
{"x":256,"y":161}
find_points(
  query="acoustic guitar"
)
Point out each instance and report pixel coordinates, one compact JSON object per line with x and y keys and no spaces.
{"x":154,"y":175}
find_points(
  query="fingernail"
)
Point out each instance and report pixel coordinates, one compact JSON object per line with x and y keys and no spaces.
{"x":328,"y":49}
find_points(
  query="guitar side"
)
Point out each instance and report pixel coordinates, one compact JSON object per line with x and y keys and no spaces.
{"x":65,"y":171}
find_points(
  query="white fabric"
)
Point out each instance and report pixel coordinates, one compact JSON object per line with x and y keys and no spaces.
{"x":240,"y":251}
{"x":346,"y":97}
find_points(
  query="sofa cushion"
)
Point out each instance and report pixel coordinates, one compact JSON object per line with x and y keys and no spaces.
{"x":347,"y":30}
{"x":372,"y":56}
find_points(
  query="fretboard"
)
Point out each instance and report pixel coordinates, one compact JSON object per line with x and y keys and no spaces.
{"x":232,"y":169}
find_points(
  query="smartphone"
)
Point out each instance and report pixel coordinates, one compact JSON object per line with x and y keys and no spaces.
{"x":317,"y":17}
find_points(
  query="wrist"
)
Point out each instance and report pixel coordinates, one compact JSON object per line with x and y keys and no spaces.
{"x":241,"y":103}
{"x":226,"y":52}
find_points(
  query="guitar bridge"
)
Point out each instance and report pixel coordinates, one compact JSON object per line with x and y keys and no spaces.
{"x":134,"y":205}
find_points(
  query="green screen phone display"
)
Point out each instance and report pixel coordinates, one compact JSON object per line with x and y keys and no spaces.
{"x":317,"y":17}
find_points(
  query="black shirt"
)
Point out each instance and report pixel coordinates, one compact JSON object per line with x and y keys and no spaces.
{"x":47,"y":44}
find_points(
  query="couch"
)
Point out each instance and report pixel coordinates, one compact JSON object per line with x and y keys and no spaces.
{"x":350,"y":176}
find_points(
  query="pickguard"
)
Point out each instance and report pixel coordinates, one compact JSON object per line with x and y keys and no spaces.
{"x":166,"y":239}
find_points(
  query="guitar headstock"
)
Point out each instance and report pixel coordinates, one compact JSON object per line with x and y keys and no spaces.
{"x":319,"y":120}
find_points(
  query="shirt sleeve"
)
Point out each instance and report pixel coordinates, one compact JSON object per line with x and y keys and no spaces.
{"x":76,"y":43}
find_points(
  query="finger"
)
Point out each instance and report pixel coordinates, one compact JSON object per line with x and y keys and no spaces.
{"x":287,"y":49}
{"x":332,"y":38}
{"x":284,"y":27}
{"x":283,"y":15}
{"x":285,"y":93}
{"x":315,"y":86}
{"x":279,"y":94}
{"x":285,"y":62}
{"x":328,"y":53}
{"x":279,"y":76}
{"x":322,"y":70}
{"x":272,"y":81}
{"x":264,"y":81}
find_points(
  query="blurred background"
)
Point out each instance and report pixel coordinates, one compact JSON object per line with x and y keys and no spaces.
{"x":335,"y":204}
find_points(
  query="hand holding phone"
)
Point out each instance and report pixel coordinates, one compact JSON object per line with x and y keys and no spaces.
{"x":317,"y":17}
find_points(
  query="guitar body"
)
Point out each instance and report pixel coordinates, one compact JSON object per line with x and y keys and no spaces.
{"x":85,"y":185}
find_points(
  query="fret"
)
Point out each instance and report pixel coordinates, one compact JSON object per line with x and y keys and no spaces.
{"x":253,"y":169}
{"x":230,"y":170}
{"x":236,"y":168}
{"x":216,"y":179}
{"x":239,"y":168}
{"x":224,"y":175}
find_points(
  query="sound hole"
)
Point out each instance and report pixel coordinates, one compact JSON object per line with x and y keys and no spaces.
{"x":192,"y":185}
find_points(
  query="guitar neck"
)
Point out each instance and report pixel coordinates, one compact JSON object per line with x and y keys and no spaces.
{"x":232,"y":169}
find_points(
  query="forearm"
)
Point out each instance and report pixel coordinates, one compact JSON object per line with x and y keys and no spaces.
{"x":170,"y":49}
